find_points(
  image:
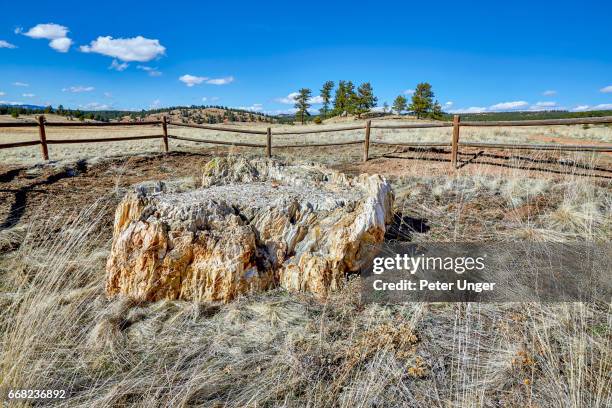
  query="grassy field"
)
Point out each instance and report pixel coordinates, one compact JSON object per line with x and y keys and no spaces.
{"x":59,"y":331}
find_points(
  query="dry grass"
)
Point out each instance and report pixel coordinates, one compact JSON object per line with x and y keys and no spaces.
{"x":58,"y":330}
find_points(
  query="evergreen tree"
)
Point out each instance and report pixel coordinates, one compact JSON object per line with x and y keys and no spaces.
{"x":351,"y":97}
{"x":301,"y":103}
{"x":340,"y":102}
{"x":436,"y":111}
{"x":385,"y":107}
{"x":346,"y":99}
{"x":399,"y":104}
{"x":326,"y":95}
{"x":422,"y":100}
{"x":365,"y":98}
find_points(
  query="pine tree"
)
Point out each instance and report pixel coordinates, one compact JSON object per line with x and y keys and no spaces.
{"x":326,"y":95}
{"x":351,"y":97}
{"x":422,"y":100}
{"x":399,"y":104}
{"x":365,"y":98}
{"x":436,"y":111}
{"x":340,"y":102}
{"x":301,"y":103}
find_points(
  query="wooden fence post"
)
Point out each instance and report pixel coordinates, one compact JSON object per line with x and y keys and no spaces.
{"x":165,"y":129}
{"x":455,"y":140}
{"x":366,"y":142}
{"x":269,"y":143}
{"x":43,"y":137}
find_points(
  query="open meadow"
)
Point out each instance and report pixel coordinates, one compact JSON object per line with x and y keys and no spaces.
{"x":282,"y":349}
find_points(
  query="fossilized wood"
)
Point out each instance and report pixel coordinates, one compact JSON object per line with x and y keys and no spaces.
{"x":248,"y":227}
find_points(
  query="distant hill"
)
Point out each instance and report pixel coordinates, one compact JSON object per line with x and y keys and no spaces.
{"x":185,"y":114}
{"x":494,"y":116}
{"x":22,"y":106}
{"x":204,"y":115}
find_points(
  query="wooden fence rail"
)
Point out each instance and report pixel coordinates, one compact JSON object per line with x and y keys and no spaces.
{"x":454,"y":143}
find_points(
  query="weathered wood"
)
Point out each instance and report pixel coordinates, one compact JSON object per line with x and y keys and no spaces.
{"x":106,"y":139}
{"x":414,"y":126}
{"x":221,"y":128}
{"x":559,"y":147}
{"x":19,"y":144}
{"x":165,"y":130}
{"x":455,"y":140}
{"x":366,"y":141}
{"x":414,"y":144}
{"x":350,"y":142}
{"x":192,"y":139}
{"x":18,"y":124}
{"x":43,"y":137}
{"x":269,"y":143}
{"x":541,"y":122}
{"x":305,"y":132}
{"x":102,"y":124}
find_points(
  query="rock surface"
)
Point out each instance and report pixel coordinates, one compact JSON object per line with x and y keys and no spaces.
{"x":246,"y":227}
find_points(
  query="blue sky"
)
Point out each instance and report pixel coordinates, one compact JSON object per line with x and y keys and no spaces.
{"x":479,"y":56}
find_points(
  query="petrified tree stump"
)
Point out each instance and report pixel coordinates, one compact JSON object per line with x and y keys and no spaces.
{"x":249,"y":226}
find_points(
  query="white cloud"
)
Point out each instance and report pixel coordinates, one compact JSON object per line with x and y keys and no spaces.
{"x":580,"y":108}
{"x":108,"y":94}
{"x":210,"y":99}
{"x":11,"y":103}
{"x":606,"y":89}
{"x":6,"y":44}
{"x":96,"y":106}
{"x":47,"y":31}
{"x":448,"y":105}
{"x":472,"y":109}
{"x":191,"y":80}
{"x":118,"y":66}
{"x":290,"y":99}
{"x":220,"y":81}
{"x":602,"y":106}
{"x":408,"y":92}
{"x":2,"y":93}
{"x":316,"y":99}
{"x":20,"y":84}
{"x":54,"y":32}
{"x":549,"y":104}
{"x":155,"y":104}
{"x":549,"y":92}
{"x":28,"y":95}
{"x":505,"y":106}
{"x":126,"y":49}
{"x":152,"y":71}
{"x":61,"y":44}
{"x":256,"y":107}
{"x":78,"y":89}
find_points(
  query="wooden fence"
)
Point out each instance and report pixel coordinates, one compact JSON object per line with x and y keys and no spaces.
{"x":454,"y":142}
